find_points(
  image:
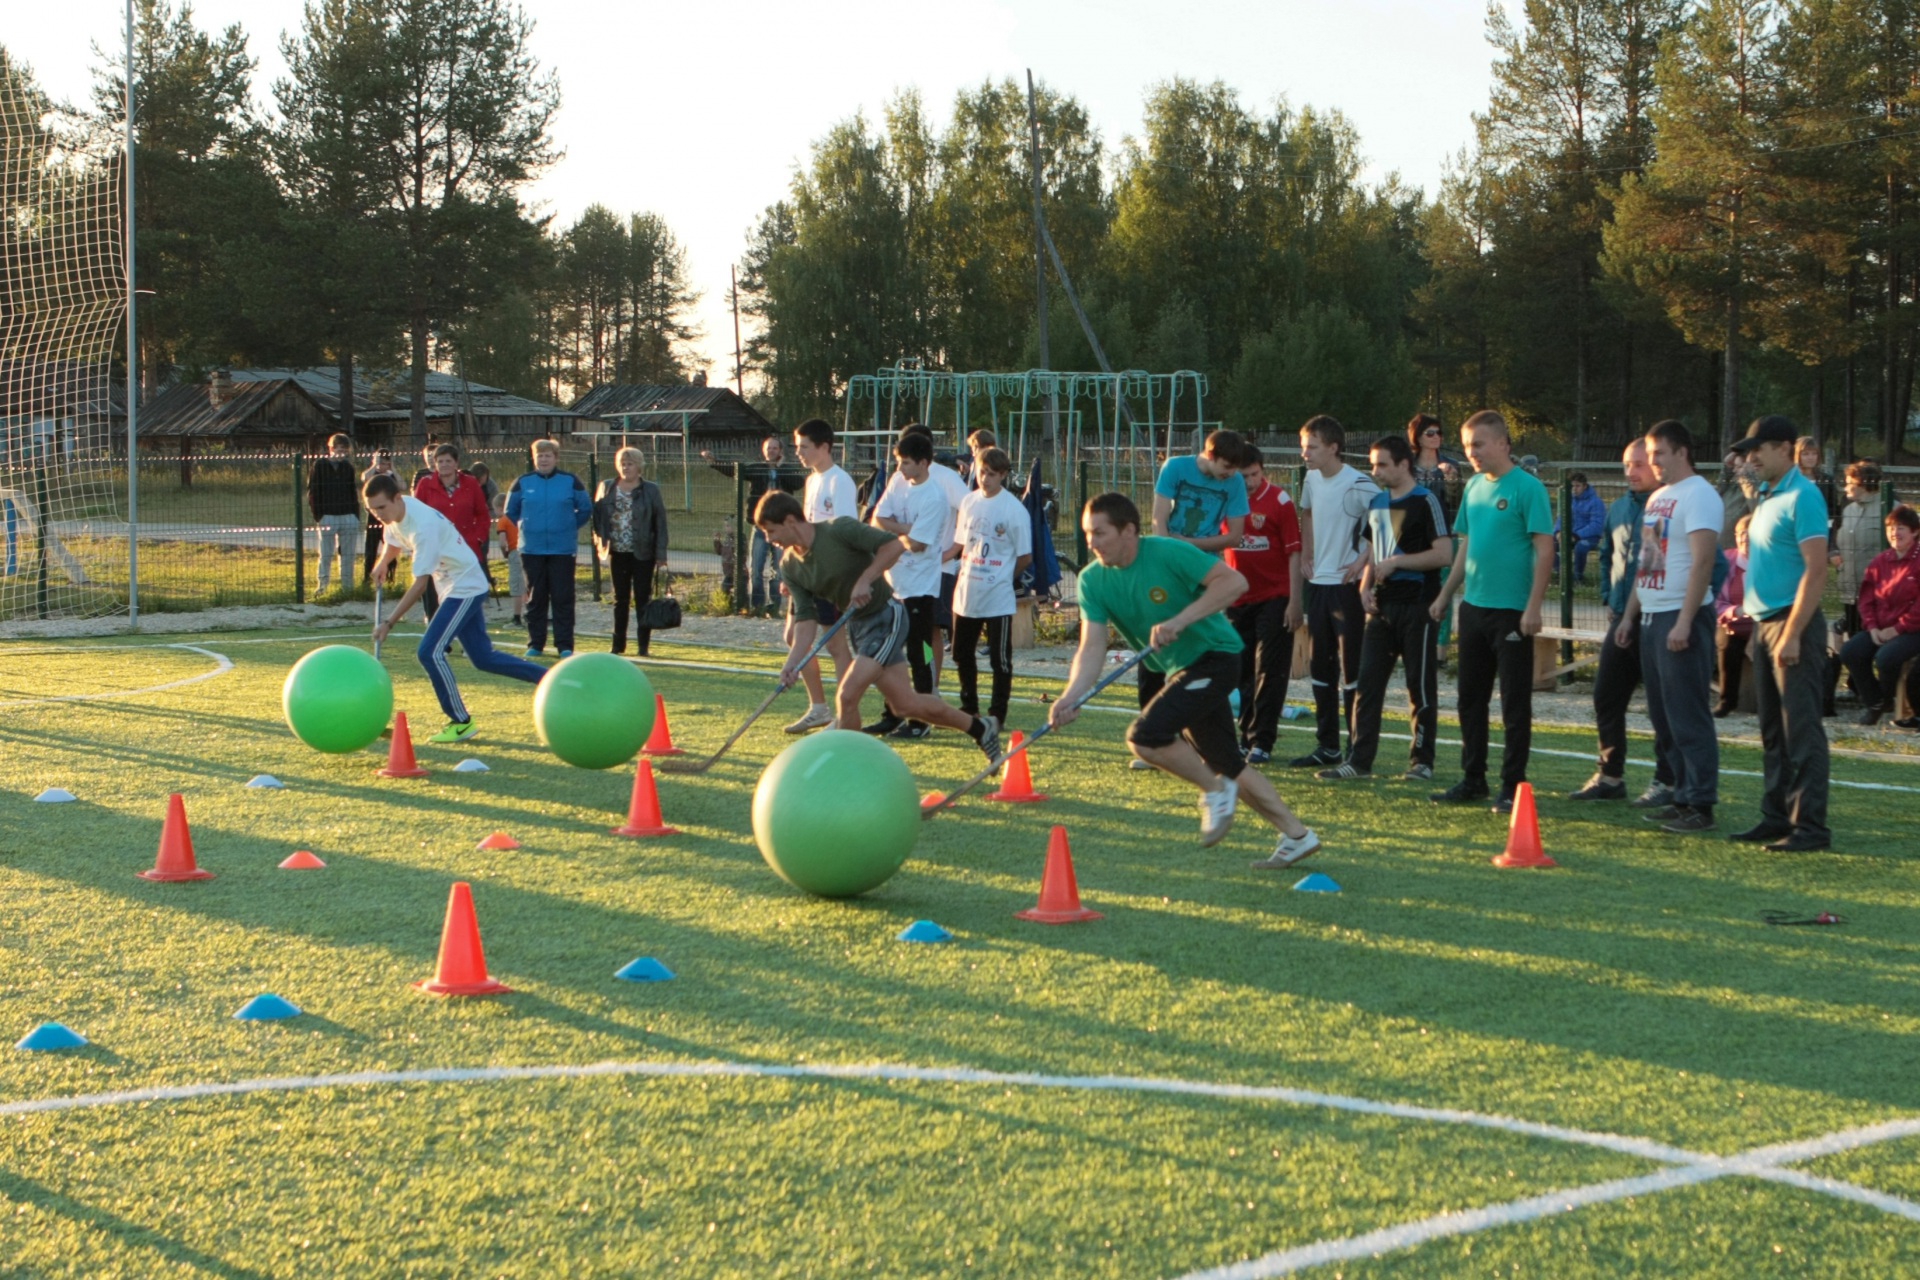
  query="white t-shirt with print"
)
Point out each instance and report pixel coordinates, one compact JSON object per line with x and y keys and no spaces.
{"x":438,"y":551}
{"x":954,"y":485}
{"x":923,"y":508}
{"x":1666,"y":553}
{"x":829,"y":495}
{"x":993,"y":534}
{"x":1338,"y":505}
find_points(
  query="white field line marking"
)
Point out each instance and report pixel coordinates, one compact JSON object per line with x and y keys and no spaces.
{"x":1761,"y":1162}
{"x":224,"y":665}
{"x":1689,"y":1167}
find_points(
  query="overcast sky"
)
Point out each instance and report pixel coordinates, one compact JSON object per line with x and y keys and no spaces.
{"x":700,"y":114}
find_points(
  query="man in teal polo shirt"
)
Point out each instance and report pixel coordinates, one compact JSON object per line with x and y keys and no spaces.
{"x":1502,"y":557}
{"x":1786,"y":576}
{"x":1169,"y":595}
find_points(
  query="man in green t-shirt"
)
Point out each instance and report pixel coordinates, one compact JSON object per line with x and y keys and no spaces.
{"x":1169,"y":596}
{"x":843,"y":563}
{"x":1502,"y":556}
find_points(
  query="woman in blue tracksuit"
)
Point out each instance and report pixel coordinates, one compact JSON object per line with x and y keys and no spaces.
{"x":549,"y":506}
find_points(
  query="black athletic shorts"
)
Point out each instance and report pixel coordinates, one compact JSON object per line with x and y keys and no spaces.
{"x":943,"y":610}
{"x":883,"y":636}
{"x":1194,"y":704}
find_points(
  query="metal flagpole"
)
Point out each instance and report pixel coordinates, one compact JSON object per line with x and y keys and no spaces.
{"x":133,"y":371}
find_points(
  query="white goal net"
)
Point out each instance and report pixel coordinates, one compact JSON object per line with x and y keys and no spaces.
{"x":63,"y":539}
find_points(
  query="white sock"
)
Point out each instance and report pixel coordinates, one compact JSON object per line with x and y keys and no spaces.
{"x":818,"y":706}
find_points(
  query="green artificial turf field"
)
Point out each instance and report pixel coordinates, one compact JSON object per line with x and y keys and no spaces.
{"x":1219,"y":1070}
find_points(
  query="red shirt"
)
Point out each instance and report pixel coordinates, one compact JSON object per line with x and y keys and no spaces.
{"x":1890,"y":593}
{"x":466,"y":507}
{"x":1271,"y":539}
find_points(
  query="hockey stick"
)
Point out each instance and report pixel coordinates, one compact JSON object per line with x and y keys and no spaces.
{"x":701,"y":766}
{"x":1028,"y":740}
{"x":378,"y":608}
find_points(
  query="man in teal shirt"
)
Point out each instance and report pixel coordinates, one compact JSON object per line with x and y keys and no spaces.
{"x":1502,"y":557}
{"x":1169,"y":596}
{"x":1786,"y":577}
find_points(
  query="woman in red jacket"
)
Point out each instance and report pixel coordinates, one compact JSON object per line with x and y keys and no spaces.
{"x":459,"y":497}
{"x":1889,"y":635}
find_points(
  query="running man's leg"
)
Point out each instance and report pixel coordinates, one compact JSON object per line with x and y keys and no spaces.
{"x":470,"y":628}
{"x":441,"y":631}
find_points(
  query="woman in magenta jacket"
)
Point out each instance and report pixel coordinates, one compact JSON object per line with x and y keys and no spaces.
{"x":459,"y":497}
{"x":1889,"y":635}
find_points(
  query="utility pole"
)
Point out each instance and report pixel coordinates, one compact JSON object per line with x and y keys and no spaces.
{"x":1040,"y":263}
{"x":739,"y":387}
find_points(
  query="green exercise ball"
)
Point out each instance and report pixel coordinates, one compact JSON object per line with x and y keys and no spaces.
{"x":594,"y":710}
{"x":337,"y":699}
{"x":836,"y":813}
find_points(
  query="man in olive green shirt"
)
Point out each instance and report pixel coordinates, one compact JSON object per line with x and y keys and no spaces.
{"x":844,"y":563}
{"x":1167,"y":596}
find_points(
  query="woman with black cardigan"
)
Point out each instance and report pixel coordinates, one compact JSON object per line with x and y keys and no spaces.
{"x":630,"y":530}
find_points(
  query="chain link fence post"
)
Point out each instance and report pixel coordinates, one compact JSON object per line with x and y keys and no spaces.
{"x":299,"y":530}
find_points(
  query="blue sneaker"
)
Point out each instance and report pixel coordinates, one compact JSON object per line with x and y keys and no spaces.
{"x":533,"y":652}
{"x":566,"y":653}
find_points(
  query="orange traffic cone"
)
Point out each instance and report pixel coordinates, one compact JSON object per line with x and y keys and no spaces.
{"x":1523,"y":836}
{"x":400,"y":761}
{"x":643,"y":813}
{"x":1016,"y":784}
{"x":175,"y":861}
{"x":660,"y":741}
{"x":302,"y":860}
{"x":1059,"y":891}
{"x":462,"y":970}
{"x":498,"y":840}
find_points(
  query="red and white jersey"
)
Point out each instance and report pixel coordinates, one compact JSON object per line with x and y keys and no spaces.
{"x":1270,"y":540}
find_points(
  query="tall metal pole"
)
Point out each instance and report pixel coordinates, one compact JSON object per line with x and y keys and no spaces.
{"x":133,"y":372}
{"x":739,"y":386}
{"x":1040,"y":260}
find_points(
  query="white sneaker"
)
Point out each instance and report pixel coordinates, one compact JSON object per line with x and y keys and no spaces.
{"x":1290,"y":850}
{"x":816,"y":718}
{"x":1138,"y":765}
{"x":1216,"y":812}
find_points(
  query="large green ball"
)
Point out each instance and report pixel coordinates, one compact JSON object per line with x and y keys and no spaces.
{"x":595,"y":710}
{"x":836,"y":813}
{"x":337,"y":699}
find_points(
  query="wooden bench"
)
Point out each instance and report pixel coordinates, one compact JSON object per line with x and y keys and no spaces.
{"x":1546,"y":654}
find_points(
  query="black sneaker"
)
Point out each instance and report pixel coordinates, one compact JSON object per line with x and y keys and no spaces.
{"x":989,"y":738}
{"x":1656,"y":796}
{"x":1504,"y":805}
{"x":1909,"y":723}
{"x":1600,"y":787}
{"x":1870,"y":716}
{"x":911,"y":732}
{"x":1761,"y":833}
{"x":1461,"y":792}
{"x":1259,"y":755}
{"x":885,"y":725}
{"x":1667,"y":814}
{"x":1318,"y":758}
{"x":1342,"y":773}
{"x":1691,"y":822}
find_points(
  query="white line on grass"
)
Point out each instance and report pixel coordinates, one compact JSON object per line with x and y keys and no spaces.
{"x":1688,"y":1167}
{"x":224,"y":665}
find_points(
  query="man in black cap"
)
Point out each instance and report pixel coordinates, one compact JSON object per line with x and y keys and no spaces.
{"x":1786,"y":576}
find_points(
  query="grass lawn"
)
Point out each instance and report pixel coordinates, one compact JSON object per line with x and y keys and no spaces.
{"x":1633,"y":991}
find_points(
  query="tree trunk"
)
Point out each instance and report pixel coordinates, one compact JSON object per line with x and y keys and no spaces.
{"x":417,"y":419}
{"x":1817,"y":407}
{"x":1730,"y":376}
{"x":1625,"y":430}
{"x":346,"y":391}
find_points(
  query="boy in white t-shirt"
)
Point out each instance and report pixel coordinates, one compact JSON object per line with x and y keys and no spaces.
{"x":993,"y":542}
{"x":915,"y":509}
{"x":1672,"y":604}
{"x":829,"y":495}
{"x":441,"y":556}
{"x":1333,"y":503}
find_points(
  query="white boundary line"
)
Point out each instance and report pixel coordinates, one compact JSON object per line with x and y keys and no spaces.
{"x":223,"y":665}
{"x":1688,"y":1168}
